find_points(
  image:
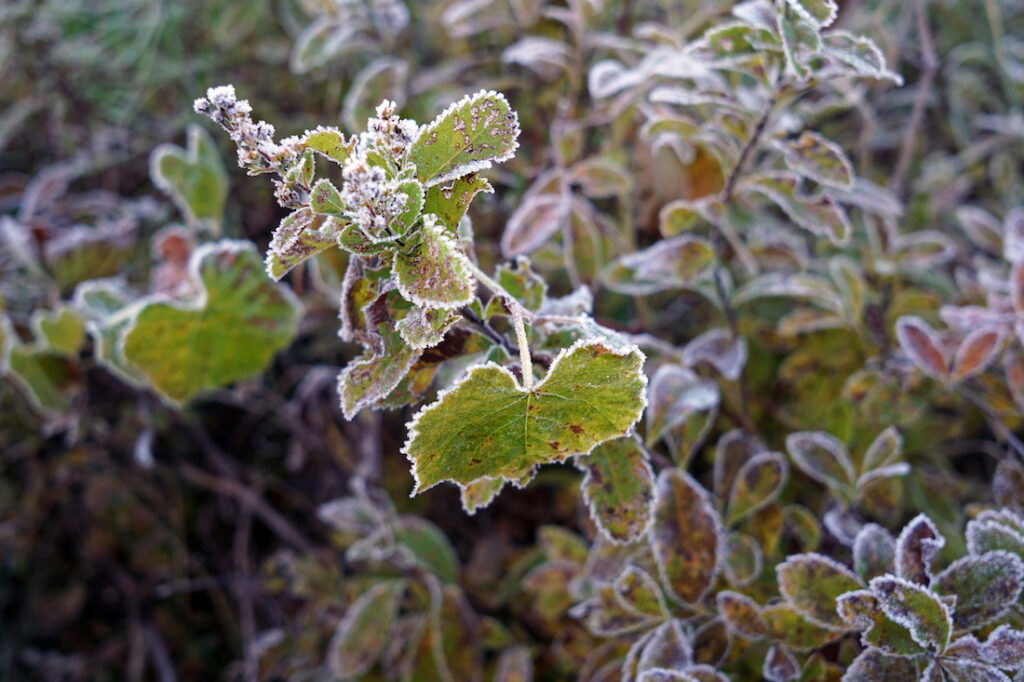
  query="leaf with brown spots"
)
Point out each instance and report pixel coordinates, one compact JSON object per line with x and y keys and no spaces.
{"x":686,"y":537}
{"x":618,"y":488}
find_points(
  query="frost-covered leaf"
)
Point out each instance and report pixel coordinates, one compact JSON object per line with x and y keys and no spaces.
{"x":811,"y":583}
{"x":193,"y":177}
{"x":1013,"y":235}
{"x":449,"y":201}
{"x":425,"y":327}
{"x":780,"y":665}
{"x":959,"y":670}
{"x":792,"y":285}
{"x":674,"y":395}
{"x":859,"y":54}
{"x":976,"y":352}
{"x":824,"y":458}
{"x":920,"y":342}
{"x":605,"y":616}
{"x":537,"y":219}
{"x":363,"y":631}
{"x":618,"y":488}
{"x":686,"y":537}
{"x":670,"y":264}
{"x":668,"y":649}
{"x":639,"y":592}
{"x":731,"y":453}
{"x":994,"y":531}
{"x":432,"y":269}
{"x":48,"y":379}
{"x":883,"y":451}
{"x":601,"y":177}
{"x":742,"y":614}
{"x":488,"y":425}
{"x":818,"y":158}
{"x":862,"y":609}
{"x":228,"y":332}
{"x":547,"y":57}
{"x":1008,"y":484}
{"x":300,"y":236}
{"x":61,"y":330}
{"x":787,"y":625}
{"x":821,"y":216}
{"x":757,"y":484}
{"x":384,"y":78}
{"x":917,"y":545}
{"x":743,"y":560}
{"x":873,"y":551}
{"x":330,"y":143}
{"x":926,"y":617}
{"x":427,"y":546}
{"x":986,"y":587}
{"x":469,"y":136}
{"x":720,"y":349}
{"x":1004,"y":648}
{"x":480,"y":493}
{"x":924,"y":249}
{"x":874,"y":666}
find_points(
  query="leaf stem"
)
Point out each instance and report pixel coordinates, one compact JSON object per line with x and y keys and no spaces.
{"x":519,"y":315}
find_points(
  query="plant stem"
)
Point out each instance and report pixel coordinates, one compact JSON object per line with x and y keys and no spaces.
{"x":748,"y":149}
{"x":519,"y":315}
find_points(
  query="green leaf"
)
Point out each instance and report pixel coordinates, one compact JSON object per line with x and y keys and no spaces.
{"x":300,"y":236}
{"x":811,"y":583}
{"x":986,"y":587}
{"x":425,"y":327}
{"x":450,"y":201}
{"x":873,"y":551}
{"x":758,"y":483}
{"x":820,"y":12}
{"x":825,"y":459}
{"x":329,"y":142}
{"x":920,"y":611}
{"x":61,"y":330}
{"x":363,"y":631}
{"x":862,"y":609}
{"x":561,"y":544}
{"x":675,"y":394}
{"x":742,"y":614}
{"x":819,"y":215}
{"x":819,"y":159}
{"x":670,"y":264}
{"x":325,"y":199}
{"x":686,"y":537}
{"x":639,"y":592}
{"x":230,"y":331}
{"x":872,"y":665}
{"x":480,"y":493}
{"x":469,"y":136}
{"x":744,"y":559}
{"x":48,"y":379}
{"x":787,"y":625}
{"x":194,"y":178}
{"x":428,"y":546}
{"x":432,"y":270}
{"x":618,"y":488}
{"x":995,"y":530}
{"x":488,"y":425}
{"x":372,"y":376}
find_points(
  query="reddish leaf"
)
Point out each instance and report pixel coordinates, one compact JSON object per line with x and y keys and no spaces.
{"x":920,"y":342}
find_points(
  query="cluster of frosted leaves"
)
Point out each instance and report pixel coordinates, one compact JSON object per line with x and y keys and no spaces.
{"x":779,"y":46}
{"x":194,"y":178}
{"x":226,"y":328}
{"x":419,"y":626}
{"x":45,"y":369}
{"x":914,"y":619}
{"x":344,"y":27}
{"x":656,"y":590}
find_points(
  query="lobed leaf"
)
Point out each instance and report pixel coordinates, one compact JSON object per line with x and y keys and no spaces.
{"x":872,"y":666}
{"x":194,"y":177}
{"x":862,"y":609}
{"x":917,"y":545}
{"x":230,"y":331}
{"x":488,"y":425}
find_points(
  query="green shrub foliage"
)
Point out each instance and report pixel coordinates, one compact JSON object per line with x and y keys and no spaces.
{"x":708,"y":313}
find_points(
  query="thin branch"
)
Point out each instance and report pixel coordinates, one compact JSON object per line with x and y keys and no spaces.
{"x":930,"y":67}
{"x":748,"y":149}
{"x":487,"y":330}
{"x":275,"y":521}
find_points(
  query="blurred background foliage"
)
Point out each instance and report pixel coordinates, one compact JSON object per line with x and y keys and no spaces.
{"x":143,"y":541}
